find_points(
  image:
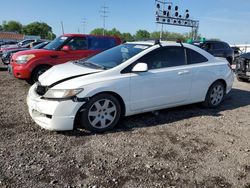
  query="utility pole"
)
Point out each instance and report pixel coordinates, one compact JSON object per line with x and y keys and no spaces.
{"x":104,"y":11}
{"x":62,"y":27}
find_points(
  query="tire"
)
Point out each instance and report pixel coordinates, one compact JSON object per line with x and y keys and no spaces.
{"x":37,"y":72}
{"x":242,"y":79}
{"x":101,"y":113}
{"x":215,"y":95}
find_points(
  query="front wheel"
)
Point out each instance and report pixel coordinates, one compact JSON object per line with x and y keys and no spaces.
{"x":215,"y":95}
{"x":101,"y":113}
{"x":37,"y":72}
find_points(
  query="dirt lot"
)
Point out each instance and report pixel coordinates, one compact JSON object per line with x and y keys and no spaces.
{"x":183,"y":147}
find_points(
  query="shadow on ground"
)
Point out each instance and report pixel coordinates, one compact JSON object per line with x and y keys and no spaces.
{"x":236,"y":99}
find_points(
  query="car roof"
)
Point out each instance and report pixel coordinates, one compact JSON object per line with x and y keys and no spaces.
{"x":86,"y":35}
{"x":168,"y":43}
{"x":162,"y":43}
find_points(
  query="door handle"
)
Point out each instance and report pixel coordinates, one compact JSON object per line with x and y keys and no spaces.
{"x":183,"y":72}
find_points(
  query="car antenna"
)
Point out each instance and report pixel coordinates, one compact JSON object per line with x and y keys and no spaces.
{"x":180,"y":42}
{"x":157,"y":41}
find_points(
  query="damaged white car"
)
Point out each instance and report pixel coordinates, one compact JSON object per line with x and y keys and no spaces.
{"x":132,"y":78}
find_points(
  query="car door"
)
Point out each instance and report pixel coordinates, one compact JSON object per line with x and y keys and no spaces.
{"x":167,"y":81}
{"x":78,"y":49}
{"x":201,"y":74}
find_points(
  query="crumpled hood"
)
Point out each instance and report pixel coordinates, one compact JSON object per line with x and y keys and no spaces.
{"x":64,"y":72}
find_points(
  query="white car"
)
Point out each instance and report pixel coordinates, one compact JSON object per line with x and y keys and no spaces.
{"x":129,"y":79}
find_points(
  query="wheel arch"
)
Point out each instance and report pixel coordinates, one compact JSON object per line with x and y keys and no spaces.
{"x":40,"y":65}
{"x":218,"y":80}
{"x":116,"y":95}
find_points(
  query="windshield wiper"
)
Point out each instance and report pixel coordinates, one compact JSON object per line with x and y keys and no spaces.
{"x":87,"y":63}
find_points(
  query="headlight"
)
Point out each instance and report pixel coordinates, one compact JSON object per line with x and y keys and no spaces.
{"x":24,"y":58}
{"x":62,"y":93}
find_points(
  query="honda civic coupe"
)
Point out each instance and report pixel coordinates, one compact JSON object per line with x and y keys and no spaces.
{"x":132,"y":78}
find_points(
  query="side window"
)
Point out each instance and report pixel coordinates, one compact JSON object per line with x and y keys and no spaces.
{"x":101,"y":43}
{"x":207,"y":46}
{"x":218,"y":45}
{"x":164,"y":57}
{"x":226,"y":46}
{"x":78,"y":43}
{"x":194,"y":57}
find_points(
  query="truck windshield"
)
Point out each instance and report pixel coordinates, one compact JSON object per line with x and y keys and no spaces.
{"x":56,"y":43}
{"x":114,"y":56}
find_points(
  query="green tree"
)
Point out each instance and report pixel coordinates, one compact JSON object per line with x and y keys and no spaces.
{"x":155,"y":35}
{"x":1,"y":27}
{"x":39,"y":28}
{"x":12,"y":26}
{"x":127,"y":37}
{"x":114,"y":32}
{"x":142,"y":34}
{"x":97,"y":31}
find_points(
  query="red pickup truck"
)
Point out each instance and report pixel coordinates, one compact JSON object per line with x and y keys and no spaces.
{"x":30,"y":64}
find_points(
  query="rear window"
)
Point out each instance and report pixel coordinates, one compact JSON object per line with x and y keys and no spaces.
{"x":194,"y":57}
{"x":101,"y":43}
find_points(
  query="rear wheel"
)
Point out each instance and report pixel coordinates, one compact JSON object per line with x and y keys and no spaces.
{"x":37,"y":72}
{"x":101,"y":113}
{"x":215,"y":95}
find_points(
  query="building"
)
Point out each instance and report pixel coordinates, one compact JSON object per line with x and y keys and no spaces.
{"x":11,"y":36}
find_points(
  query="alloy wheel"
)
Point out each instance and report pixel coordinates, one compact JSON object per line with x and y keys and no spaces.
{"x":217,"y":94}
{"x":102,"y":113}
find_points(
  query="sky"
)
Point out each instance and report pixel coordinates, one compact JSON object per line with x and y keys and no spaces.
{"x":227,"y":20}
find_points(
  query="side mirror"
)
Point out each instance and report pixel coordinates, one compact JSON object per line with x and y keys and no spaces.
{"x":140,"y":67}
{"x":66,"y":48}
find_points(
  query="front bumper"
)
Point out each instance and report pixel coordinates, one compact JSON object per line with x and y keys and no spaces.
{"x":51,"y":114}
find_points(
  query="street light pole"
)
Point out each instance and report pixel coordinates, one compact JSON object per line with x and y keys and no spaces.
{"x":62,"y":27}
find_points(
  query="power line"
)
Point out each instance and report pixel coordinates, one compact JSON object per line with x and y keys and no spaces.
{"x":104,"y":11}
{"x":84,"y":25}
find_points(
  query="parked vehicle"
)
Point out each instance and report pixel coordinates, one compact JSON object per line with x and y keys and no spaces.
{"x":7,"y":42}
{"x":27,"y":41}
{"x":237,"y":51}
{"x":4,"y":43}
{"x":219,"y":49}
{"x":243,"y":67}
{"x":17,"y":45}
{"x":8,"y":53}
{"x":22,"y":44}
{"x":28,"y":65}
{"x":132,"y":78}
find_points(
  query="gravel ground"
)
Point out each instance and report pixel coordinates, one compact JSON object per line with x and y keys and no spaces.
{"x":188,"y":146}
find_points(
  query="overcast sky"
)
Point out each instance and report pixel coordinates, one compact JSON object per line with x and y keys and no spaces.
{"x":227,"y":20}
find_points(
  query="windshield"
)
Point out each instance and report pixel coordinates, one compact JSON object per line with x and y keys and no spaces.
{"x":56,"y":43}
{"x":39,"y":46}
{"x":114,"y":56}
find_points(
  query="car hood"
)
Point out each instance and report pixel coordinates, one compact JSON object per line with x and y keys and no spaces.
{"x":63,"y":72}
{"x":37,"y":52}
